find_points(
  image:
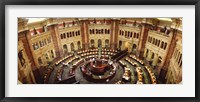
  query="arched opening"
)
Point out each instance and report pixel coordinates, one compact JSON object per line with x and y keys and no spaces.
{"x":150,"y":39}
{"x":120,"y":45}
{"x":128,"y":34}
{"x":79,"y":45}
{"x":137,"y":35}
{"x":162,"y":44}
{"x":108,"y":31}
{"x":52,"y":54}
{"x":158,"y":43}
{"x":99,"y":43}
{"x":92,"y":43}
{"x":61,"y":36}
{"x":65,"y":48}
{"x":92,"y":31}
{"x":72,"y":46}
{"x":70,"y":34}
{"x":78,"y":32}
{"x":152,"y":57}
{"x":134,"y":48}
{"x":131,"y":35}
{"x":106,"y":43}
{"x":153,"y":40}
{"x":64,"y":36}
{"x":134,"y":35}
{"x":105,"y":31}
{"x":101,"y":31}
{"x":165,"y":46}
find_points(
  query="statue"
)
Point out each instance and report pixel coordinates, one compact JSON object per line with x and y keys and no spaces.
{"x":21,"y":57}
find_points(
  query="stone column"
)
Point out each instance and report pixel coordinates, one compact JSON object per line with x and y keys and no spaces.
{"x":84,"y":34}
{"x":143,"y":37}
{"x":53,"y":29}
{"x":114,"y":33}
{"x":26,"y":39}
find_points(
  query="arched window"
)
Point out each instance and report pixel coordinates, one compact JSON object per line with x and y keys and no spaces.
{"x":131,"y":34}
{"x":158,"y":43}
{"x":73,"y":34}
{"x":78,"y":32}
{"x":67,"y":35}
{"x":70,"y":34}
{"x":128,"y":33}
{"x":162,"y":44}
{"x":96,"y":31}
{"x":122,"y":33}
{"x":165,"y":46}
{"x":153,"y":40}
{"x":150,"y":39}
{"x":105,"y":31}
{"x":101,"y":31}
{"x":64,"y":36}
{"x":134,"y":35}
{"x":125,"y":33}
{"x":52,"y":54}
{"x":137,"y":35}
{"x":79,"y":45}
{"x":152,"y":57}
{"x":72,"y":46}
{"x":108,"y":31}
{"x":92,"y":43}
{"x":90,"y":31}
{"x":99,"y":43}
{"x":106,"y":43}
{"x":40,"y":43}
{"x":61,"y":36}
{"x":134,"y":47}
{"x":65,"y":48}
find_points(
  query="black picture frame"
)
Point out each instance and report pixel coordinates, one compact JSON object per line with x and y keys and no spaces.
{"x":3,"y":3}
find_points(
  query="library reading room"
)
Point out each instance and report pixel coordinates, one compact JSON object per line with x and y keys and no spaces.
{"x":99,"y":50}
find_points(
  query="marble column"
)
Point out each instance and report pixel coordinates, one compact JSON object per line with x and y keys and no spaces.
{"x":114,"y":33}
{"x":142,"y":38}
{"x":53,"y":29}
{"x":84,"y":34}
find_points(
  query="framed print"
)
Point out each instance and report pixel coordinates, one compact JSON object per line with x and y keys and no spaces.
{"x":103,"y":50}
